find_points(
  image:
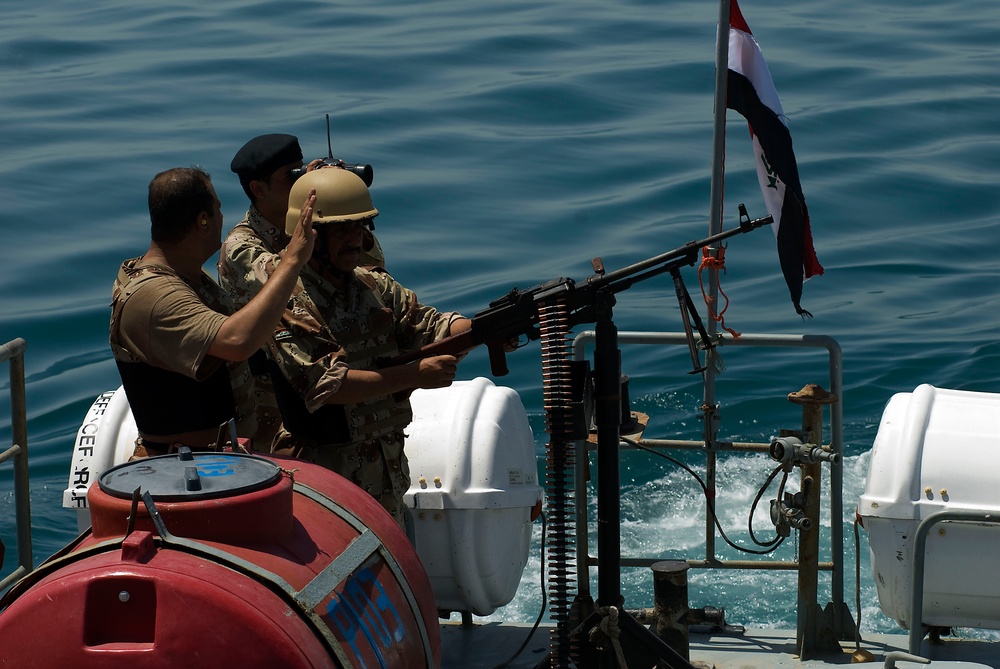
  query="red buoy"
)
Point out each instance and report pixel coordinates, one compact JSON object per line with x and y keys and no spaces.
{"x":223,"y":560}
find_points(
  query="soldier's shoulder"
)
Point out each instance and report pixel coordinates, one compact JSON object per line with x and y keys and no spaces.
{"x":242,"y":236}
{"x":376,"y":278}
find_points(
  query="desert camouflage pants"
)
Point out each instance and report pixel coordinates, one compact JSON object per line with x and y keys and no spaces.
{"x":268,"y":415}
{"x":377,"y":466}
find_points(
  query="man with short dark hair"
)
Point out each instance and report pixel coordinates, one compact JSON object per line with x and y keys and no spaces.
{"x":249,"y":254}
{"x":180,"y":354}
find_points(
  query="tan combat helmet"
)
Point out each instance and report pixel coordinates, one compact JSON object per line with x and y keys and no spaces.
{"x":341,"y":196}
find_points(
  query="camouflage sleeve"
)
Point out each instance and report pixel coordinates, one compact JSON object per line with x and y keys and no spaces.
{"x":416,"y":324}
{"x":307,"y":353}
{"x":244,"y":266}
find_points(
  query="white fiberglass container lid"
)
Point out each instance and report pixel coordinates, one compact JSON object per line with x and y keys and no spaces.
{"x":935,"y":449}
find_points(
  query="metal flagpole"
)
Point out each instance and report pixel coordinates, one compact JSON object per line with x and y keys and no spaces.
{"x":719,"y":127}
{"x":715,"y":225}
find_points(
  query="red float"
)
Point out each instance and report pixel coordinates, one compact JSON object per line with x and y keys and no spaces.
{"x":226,"y":561}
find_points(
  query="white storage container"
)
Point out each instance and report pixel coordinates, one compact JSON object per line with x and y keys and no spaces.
{"x":473,"y":487}
{"x":936,"y":449}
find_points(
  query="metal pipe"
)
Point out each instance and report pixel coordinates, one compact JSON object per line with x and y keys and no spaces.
{"x":585,"y":338}
{"x":607,"y":414}
{"x":580,"y":479}
{"x":811,"y":473}
{"x":13,"y":351}
{"x":837,"y":478}
{"x":19,"y":430}
{"x":682,"y":444}
{"x":716,"y":190}
{"x":762,"y":565}
{"x":917,"y":573}
{"x":711,"y":494}
{"x":716,"y":193}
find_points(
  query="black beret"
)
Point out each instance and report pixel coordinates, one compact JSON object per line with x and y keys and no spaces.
{"x":264,"y":154}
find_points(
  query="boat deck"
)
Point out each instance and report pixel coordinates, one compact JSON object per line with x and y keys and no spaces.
{"x":488,"y":645}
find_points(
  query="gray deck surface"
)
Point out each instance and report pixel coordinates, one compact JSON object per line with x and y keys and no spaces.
{"x":489,"y":644}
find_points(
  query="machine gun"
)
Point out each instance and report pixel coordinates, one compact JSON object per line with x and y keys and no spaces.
{"x":516,"y":313}
{"x":545,"y":313}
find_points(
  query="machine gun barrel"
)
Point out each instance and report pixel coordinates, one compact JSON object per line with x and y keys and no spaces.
{"x":516,"y":313}
{"x":626,"y":277}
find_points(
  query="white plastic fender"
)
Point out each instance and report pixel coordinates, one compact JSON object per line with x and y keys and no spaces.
{"x":105,"y":438}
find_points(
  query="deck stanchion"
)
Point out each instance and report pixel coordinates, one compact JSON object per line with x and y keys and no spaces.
{"x":812,"y":398}
{"x":670,"y":604}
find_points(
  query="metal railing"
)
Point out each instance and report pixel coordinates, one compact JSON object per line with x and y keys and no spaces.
{"x":917,"y":629}
{"x":13,"y":352}
{"x":711,"y":446}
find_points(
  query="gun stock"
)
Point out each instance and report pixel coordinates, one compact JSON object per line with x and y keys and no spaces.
{"x":453,"y":345}
{"x":457,"y":345}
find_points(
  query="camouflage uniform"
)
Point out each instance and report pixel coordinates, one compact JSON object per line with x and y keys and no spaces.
{"x":324,"y":333}
{"x":248,"y":256}
{"x":161,"y":349}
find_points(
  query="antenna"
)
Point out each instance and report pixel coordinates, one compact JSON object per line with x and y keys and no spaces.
{"x":329,"y":147}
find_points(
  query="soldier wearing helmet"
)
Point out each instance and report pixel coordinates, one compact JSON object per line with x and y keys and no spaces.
{"x":340,"y":406}
{"x":265,"y":166}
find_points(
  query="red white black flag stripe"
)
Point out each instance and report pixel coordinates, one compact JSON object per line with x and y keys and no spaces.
{"x":751,"y":92}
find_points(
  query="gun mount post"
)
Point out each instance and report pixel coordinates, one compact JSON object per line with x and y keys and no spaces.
{"x":607,"y":415}
{"x":643,"y":648}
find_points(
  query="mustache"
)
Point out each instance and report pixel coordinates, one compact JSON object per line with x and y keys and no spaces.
{"x":348,"y":250}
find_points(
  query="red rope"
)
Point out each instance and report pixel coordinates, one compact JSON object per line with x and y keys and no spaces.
{"x":714,"y":264}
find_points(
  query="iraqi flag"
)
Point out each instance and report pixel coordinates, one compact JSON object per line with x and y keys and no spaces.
{"x":751,"y":93}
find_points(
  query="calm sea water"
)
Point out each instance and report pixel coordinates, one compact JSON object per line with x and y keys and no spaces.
{"x":512,"y":142}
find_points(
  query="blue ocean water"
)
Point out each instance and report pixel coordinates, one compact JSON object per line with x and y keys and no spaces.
{"x":512,"y":142}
